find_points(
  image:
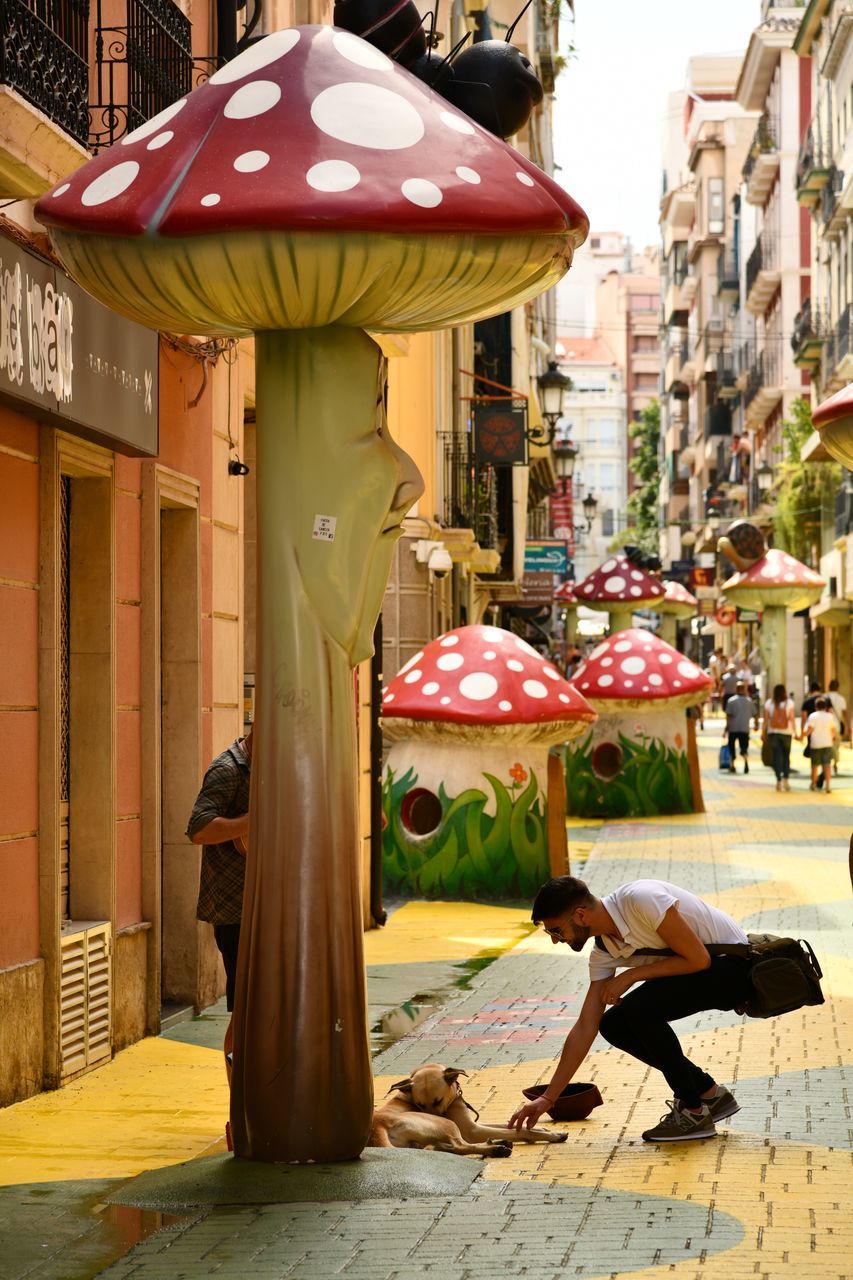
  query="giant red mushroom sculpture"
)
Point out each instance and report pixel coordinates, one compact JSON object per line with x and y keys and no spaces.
{"x":466,"y":795}
{"x":620,"y":587}
{"x":677,"y":603}
{"x":833,"y":420}
{"x":309,"y":191}
{"x":639,"y":757}
{"x":774,"y":585}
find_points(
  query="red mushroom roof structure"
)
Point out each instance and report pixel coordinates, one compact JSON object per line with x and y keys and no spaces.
{"x":565,"y":593}
{"x":677,"y":600}
{"x":620,"y":584}
{"x":484,"y":679}
{"x":315,"y":134}
{"x":833,"y":419}
{"x":636,"y":668}
{"x":776,"y":579}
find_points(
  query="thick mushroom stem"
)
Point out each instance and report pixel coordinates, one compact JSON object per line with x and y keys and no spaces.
{"x":772,"y":643}
{"x":621,"y":618}
{"x":668,"y":629}
{"x":332,"y":489}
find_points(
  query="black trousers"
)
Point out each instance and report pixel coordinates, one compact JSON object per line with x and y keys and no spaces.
{"x":639,"y":1024}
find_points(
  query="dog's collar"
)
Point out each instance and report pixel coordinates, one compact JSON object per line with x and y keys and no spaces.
{"x":416,"y":1106}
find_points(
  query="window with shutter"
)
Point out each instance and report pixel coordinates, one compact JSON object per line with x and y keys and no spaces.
{"x":85,"y":998}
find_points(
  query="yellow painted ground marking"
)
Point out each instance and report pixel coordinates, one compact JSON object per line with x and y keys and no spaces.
{"x":421,"y":931}
{"x":157,"y":1103}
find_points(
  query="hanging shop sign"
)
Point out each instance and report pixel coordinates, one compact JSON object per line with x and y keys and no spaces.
{"x":500,"y":432}
{"x":537,"y":588}
{"x":748,"y":615}
{"x":702,"y":576}
{"x":547,"y":555}
{"x":73,"y":362}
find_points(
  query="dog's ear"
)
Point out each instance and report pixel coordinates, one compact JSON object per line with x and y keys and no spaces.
{"x":452,"y":1074}
{"x":402,"y":1086}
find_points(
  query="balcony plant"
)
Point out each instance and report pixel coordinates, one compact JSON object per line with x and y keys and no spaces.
{"x":805,"y":491}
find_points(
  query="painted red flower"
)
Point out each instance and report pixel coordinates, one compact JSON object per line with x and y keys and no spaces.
{"x":518,"y":774}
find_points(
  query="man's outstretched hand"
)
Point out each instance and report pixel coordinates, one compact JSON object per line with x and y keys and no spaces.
{"x":529,"y":1114}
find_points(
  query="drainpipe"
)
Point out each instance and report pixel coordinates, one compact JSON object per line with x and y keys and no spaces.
{"x":378,"y":914}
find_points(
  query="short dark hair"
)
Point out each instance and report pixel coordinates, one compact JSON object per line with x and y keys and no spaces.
{"x":558,"y":896}
{"x":833,"y":685}
{"x":814,"y":686}
{"x":821,"y":704}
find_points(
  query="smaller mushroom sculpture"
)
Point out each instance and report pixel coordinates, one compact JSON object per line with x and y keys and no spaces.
{"x":677,"y":603}
{"x":774,"y":585}
{"x":565,"y":597}
{"x":833,"y":420}
{"x":466,"y":790}
{"x":639,"y":758}
{"x":620,"y":587}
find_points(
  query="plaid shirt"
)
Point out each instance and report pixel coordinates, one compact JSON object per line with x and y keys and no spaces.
{"x":224,"y":794}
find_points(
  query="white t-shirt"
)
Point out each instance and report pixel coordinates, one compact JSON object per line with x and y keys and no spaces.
{"x":839,"y":705}
{"x":822,"y":725}
{"x":638,"y":908}
{"x":770,"y":707}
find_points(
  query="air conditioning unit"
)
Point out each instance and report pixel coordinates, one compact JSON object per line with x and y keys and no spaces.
{"x":85,"y":996}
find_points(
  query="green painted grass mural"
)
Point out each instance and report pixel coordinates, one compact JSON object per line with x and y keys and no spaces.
{"x":627,"y":779}
{"x":470,"y":854}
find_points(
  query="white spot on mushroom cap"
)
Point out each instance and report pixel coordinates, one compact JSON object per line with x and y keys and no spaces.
{"x":468,"y":175}
{"x":564,"y":697}
{"x":609,"y":565}
{"x":412,"y":677}
{"x":333,"y":175}
{"x":114,"y":182}
{"x":447,"y":642}
{"x":162,"y":140}
{"x":550,"y":673}
{"x":430,"y":687}
{"x":444,"y":701}
{"x":367,"y":115}
{"x":615,"y":583}
{"x":607,"y":661}
{"x":478,"y":686}
{"x":525,"y":179}
{"x":688,"y":670}
{"x":514,"y":664}
{"x":526,"y":648}
{"x":655,"y":679}
{"x":504,"y":705}
{"x":252,"y":99}
{"x":493,"y":635}
{"x":422,"y":192}
{"x":60,"y":191}
{"x":535,"y":689}
{"x":211,"y":199}
{"x":622,"y":646}
{"x":636,"y":575}
{"x":155,"y":124}
{"x":490,"y":655}
{"x":251,"y":161}
{"x":360,"y":52}
{"x":258,"y":55}
{"x":665,"y":659}
{"x":457,"y":123}
{"x":604,"y":681}
{"x":411,"y":663}
{"x":389,"y":697}
{"x":633,"y":666}
{"x":450,"y":661}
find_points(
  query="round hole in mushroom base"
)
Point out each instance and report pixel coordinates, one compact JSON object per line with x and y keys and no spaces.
{"x":607,"y":760}
{"x":420,"y":812}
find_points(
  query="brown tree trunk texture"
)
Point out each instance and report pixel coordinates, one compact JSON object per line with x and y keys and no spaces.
{"x":558,"y":844}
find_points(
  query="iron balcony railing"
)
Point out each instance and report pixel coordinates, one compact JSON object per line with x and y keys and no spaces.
{"x":810,"y":325}
{"x":814,"y":153}
{"x":831,"y":193}
{"x":766,"y":139}
{"x":142,"y":62}
{"x":470,"y":490}
{"x":44,"y":56}
{"x":765,"y":371}
{"x":728,"y":273}
{"x":762,"y":258}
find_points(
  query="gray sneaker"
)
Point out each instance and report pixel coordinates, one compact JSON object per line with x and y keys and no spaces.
{"x":721,"y":1106}
{"x":680,"y":1125}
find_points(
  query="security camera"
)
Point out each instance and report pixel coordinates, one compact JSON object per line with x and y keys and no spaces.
{"x":439,"y":562}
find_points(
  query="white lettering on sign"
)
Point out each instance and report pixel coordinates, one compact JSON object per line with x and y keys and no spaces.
{"x":324,"y":528}
{"x":50,"y":320}
{"x":11,"y":344}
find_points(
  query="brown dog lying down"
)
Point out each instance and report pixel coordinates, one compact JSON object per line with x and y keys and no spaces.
{"x":427,"y":1110}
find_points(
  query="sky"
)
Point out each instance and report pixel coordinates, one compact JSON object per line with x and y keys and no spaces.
{"x":611,"y":98}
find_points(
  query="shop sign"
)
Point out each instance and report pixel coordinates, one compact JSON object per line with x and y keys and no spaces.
{"x":500,"y":432}
{"x":548,"y":555}
{"x":537,"y":588}
{"x":702,"y":576}
{"x":79,"y":365}
{"x":680,"y":570}
{"x":748,"y":615}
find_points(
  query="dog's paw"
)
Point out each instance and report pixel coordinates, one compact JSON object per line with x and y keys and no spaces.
{"x":499,"y":1149}
{"x":560,"y":1137}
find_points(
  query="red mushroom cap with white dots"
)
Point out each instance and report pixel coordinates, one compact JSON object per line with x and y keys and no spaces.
{"x":312,"y":134}
{"x":618,"y":582}
{"x":635,"y":668}
{"x":565,"y":593}
{"x":486,"y":678}
{"x":677,"y":600}
{"x":776,"y":579}
{"x":833,"y":420}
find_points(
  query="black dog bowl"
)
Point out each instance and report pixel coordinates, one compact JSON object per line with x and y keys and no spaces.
{"x":574,"y":1103}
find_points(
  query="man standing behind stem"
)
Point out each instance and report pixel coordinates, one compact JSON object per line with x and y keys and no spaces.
{"x":656,"y":914}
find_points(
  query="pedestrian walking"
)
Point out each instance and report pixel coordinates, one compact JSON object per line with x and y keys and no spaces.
{"x":838,"y":707}
{"x":220,"y":822}
{"x":728,"y":684}
{"x":740,"y":713}
{"x":821,"y":730}
{"x":660,"y":915}
{"x":778,"y":730}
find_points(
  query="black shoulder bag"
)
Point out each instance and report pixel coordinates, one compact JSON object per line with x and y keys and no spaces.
{"x":784,"y":972}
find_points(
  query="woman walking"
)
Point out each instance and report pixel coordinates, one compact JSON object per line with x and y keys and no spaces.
{"x":778,"y":730}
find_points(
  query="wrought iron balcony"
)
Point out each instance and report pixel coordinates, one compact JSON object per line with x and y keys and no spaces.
{"x":829,"y":198}
{"x":809,"y":336}
{"x":813,"y":164}
{"x":728,"y":276}
{"x":44,"y":56}
{"x":470,"y":490}
{"x":762,"y":273}
{"x":762,"y":161}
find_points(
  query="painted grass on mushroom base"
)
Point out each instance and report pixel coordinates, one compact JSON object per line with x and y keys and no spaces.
{"x":471,"y":853}
{"x":627,"y":778}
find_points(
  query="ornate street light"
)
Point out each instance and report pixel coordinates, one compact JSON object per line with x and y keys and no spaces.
{"x":764,"y":477}
{"x":590,"y":506}
{"x":553,"y":385}
{"x":565,"y":457}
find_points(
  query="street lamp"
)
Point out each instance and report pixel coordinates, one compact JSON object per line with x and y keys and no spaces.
{"x":565,"y":457}
{"x":552,"y":385}
{"x":764,"y":477}
{"x":590,"y":506}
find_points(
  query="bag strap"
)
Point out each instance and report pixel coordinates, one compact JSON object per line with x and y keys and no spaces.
{"x":713,"y":949}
